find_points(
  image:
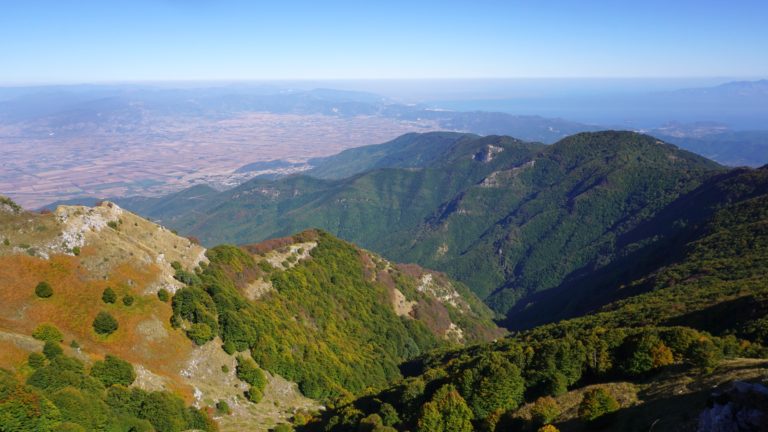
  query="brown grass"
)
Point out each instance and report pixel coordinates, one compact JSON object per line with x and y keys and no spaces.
{"x":77,"y":300}
{"x":11,"y":355}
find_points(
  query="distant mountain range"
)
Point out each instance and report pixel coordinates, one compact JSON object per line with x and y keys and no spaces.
{"x":73,"y":109}
{"x":738,"y":105}
{"x":741,"y":105}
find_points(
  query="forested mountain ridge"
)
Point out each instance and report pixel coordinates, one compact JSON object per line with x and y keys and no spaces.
{"x":554,"y":214}
{"x":426,"y":150}
{"x":649,"y":361}
{"x":157,"y":333}
{"x":491,"y":211}
{"x":363,"y":206}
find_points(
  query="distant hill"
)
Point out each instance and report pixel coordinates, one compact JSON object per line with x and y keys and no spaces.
{"x":266,"y":166}
{"x":408,"y":151}
{"x":749,"y":89}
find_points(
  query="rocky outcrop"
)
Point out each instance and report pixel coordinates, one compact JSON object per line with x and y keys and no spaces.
{"x":742,"y":407}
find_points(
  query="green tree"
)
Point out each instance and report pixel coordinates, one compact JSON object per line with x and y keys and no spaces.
{"x":109,"y":296}
{"x":679,"y":340}
{"x":596,"y":403}
{"x":69,"y":427}
{"x":556,"y":364}
{"x":704,"y":354}
{"x":544,"y":410}
{"x":23,"y":408}
{"x":389,"y":416}
{"x":431,"y":419}
{"x":200,"y":333}
{"x":644,"y":354}
{"x":43,"y":290}
{"x":446,"y":412}
{"x":113,"y":370}
{"x":80,"y":407}
{"x":47,"y":332}
{"x":493,"y":383}
{"x":370,"y":423}
{"x":249,"y":372}
{"x":163,"y":295}
{"x":36,"y":360}
{"x":52,"y":350}
{"x":127,"y":300}
{"x":254,"y":394}
{"x":222,"y":407}
{"x":105,"y":324}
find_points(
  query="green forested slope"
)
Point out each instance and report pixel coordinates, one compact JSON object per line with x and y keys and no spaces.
{"x":711,"y":234}
{"x":324,"y":316}
{"x":526,"y":229}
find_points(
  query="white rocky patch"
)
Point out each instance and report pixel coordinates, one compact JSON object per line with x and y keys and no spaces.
{"x":454,"y":333}
{"x":146,"y":380}
{"x":256,"y":289}
{"x":496,"y":178}
{"x":276,"y":258}
{"x":402,"y":306}
{"x":444,"y":294}
{"x":78,"y":221}
{"x":488,"y":153}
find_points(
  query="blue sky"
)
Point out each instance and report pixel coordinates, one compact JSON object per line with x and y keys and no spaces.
{"x":94,"y":41}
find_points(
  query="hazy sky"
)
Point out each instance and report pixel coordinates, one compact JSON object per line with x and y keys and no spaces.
{"x":114,"y":40}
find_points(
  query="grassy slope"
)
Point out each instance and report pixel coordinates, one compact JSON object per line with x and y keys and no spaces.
{"x":107,"y":259}
{"x":126,"y":259}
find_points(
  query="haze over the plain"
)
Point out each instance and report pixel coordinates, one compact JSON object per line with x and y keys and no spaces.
{"x":147,"y":97}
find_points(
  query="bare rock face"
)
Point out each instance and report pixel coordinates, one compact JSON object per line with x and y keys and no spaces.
{"x":743,"y":407}
{"x":487,"y":154}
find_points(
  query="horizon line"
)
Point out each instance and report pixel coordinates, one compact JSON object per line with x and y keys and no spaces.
{"x":437,"y":79}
